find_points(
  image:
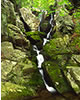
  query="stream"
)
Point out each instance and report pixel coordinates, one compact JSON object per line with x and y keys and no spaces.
{"x":40,"y":57}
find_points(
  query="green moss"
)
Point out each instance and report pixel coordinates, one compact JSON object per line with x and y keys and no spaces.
{"x":12,"y":91}
{"x":57,"y":46}
{"x":34,"y":33}
{"x":56,"y":76}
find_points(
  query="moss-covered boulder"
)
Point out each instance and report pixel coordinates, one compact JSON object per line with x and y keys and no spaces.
{"x":36,"y":38}
{"x":54,"y":71}
{"x":57,"y":46}
{"x":19,"y":75}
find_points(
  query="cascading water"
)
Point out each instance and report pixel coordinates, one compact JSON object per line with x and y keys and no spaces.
{"x":40,"y":57}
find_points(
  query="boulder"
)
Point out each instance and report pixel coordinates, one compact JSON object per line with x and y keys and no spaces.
{"x":29,"y":18}
{"x":36,"y":38}
{"x":17,"y":37}
{"x":54,"y":71}
{"x":73,"y":76}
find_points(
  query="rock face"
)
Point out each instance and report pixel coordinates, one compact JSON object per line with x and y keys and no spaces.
{"x":74,"y":77}
{"x":17,"y":37}
{"x":57,"y":58}
{"x":29,"y":18}
{"x":18,"y":73}
{"x":64,"y":23}
{"x":8,"y":15}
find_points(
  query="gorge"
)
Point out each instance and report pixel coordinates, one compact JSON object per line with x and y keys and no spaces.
{"x":40,"y":50}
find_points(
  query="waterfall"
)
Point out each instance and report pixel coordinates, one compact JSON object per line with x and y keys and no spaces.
{"x":40,"y":57}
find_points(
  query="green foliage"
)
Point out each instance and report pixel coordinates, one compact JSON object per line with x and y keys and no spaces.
{"x":43,"y":4}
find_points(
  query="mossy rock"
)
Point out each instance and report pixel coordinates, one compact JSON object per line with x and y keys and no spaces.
{"x":16,"y":37}
{"x":73,"y":75}
{"x":55,"y":74}
{"x":58,"y":53}
{"x":36,"y":38}
{"x":11,"y":91}
{"x":57,"y":46}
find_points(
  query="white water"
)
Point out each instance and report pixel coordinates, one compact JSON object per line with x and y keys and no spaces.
{"x":40,"y":57}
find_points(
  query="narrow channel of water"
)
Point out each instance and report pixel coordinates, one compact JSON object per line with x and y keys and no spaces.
{"x":40,"y":57}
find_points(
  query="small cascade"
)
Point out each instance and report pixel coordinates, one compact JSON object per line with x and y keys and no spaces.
{"x":45,"y":40}
{"x":40,"y":57}
{"x":41,"y":18}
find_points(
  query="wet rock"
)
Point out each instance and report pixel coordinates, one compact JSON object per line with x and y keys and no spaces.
{"x":45,"y":26}
{"x":55,"y":74}
{"x":29,"y":18}
{"x":19,"y":77}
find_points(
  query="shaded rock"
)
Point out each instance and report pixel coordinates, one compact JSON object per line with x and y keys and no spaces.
{"x":20,"y":24}
{"x":36,"y":38}
{"x":45,"y":26}
{"x":8,"y":15}
{"x":75,"y":3}
{"x":8,"y":7}
{"x":76,"y":59}
{"x":29,"y":18}
{"x":17,"y":37}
